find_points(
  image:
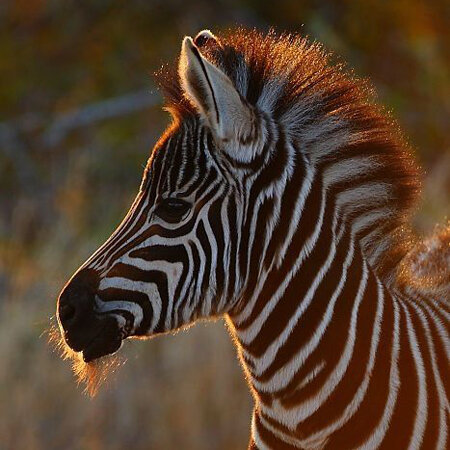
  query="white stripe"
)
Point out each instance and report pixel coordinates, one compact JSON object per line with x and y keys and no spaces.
{"x":136,"y":286}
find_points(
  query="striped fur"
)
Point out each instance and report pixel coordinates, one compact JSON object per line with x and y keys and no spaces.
{"x":296,"y":235}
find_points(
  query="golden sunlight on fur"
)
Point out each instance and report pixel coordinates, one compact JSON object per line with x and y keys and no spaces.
{"x":93,"y":374}
{"x":427,"y":266}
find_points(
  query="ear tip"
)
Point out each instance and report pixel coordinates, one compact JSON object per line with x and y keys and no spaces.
{"x":188,"y":42}
{"x":204,"y":37}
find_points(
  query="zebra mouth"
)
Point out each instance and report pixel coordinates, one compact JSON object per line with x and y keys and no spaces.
{"x":107,"y":339}
{"x":104,"y":343}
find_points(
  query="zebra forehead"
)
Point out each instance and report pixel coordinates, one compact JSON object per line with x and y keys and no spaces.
{"x":179,"y":157}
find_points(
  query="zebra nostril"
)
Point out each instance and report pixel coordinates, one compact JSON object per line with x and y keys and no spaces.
{"x":66,"y":312}
{"x":76,"y":300}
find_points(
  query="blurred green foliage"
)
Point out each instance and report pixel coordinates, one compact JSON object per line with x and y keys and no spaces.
{"x":66,"y":179}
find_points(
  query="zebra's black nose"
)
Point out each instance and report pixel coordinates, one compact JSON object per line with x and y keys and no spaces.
{"x":85,"y":330}
{"x":76,"y":308}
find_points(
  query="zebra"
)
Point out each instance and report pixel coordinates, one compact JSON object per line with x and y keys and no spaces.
{"x":279,"y":198}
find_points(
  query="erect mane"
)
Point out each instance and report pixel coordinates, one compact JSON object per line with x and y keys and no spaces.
{"x":294,"y":81}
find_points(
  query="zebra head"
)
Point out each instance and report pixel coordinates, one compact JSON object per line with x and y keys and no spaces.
{"x":177,"y":255}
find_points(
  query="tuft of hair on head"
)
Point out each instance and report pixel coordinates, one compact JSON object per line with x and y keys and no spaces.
{"x":93,"y":374}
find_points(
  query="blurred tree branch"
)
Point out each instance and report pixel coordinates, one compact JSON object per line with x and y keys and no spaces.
{"x":54,"y":133}
{"x":15,"y":133}
{"x":96,"y":112}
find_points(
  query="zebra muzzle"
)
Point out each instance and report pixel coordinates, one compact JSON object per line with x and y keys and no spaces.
{"x":107,"y":341}
{"x":84,"y":330}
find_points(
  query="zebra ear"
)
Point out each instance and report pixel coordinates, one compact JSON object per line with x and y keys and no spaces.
{"x":213,"y":93}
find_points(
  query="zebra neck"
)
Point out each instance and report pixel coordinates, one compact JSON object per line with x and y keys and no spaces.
{"x":296,"y":345}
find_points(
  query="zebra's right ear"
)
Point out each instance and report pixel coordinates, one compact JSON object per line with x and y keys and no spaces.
{"x":213,"y":94}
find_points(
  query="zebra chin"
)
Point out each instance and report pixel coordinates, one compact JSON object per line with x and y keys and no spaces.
{"x":108,"y":341}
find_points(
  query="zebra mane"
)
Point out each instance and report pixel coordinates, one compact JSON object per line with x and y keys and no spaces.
{"x":331,"y":112}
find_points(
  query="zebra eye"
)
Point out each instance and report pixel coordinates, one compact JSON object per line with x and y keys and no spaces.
{"x":172,"y":210}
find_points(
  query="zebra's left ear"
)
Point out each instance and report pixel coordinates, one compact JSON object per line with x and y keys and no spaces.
{"x":213,"y":94}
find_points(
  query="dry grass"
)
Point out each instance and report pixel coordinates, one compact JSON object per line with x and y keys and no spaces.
{"x":184,"y":391}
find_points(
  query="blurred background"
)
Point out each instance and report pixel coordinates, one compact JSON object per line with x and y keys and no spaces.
{"x":78,"y":116}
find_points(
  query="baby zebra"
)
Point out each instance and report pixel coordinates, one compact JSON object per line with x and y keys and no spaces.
{"x":278,"y":198}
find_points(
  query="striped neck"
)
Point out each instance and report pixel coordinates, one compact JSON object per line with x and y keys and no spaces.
{"x":298,"y":342}
{"x":335,"y":350}
{"x":318,"y":332}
